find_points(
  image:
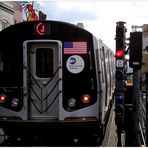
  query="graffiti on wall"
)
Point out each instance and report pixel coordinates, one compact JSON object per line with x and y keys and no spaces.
{"x":30,"y":12}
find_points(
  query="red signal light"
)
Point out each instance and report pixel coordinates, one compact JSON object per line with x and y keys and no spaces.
{"x":120,"y":53}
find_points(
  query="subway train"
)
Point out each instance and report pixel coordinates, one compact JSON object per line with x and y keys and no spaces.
{"x":54,"y":76}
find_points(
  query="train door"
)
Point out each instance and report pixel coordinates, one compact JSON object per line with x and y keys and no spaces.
{"x":44,"y":78}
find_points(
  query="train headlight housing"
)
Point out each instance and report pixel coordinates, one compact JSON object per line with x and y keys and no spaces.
{"x":15,"y":102}
{"x":86,"y":98}
{"x":72,"y":102}
{"x":3,"y":98}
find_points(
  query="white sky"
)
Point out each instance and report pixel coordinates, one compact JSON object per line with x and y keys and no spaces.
{"x":99,"y":16}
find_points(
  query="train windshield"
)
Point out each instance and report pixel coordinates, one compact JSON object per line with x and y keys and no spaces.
{"x":9,"y":68}
{"x":1,"y":64}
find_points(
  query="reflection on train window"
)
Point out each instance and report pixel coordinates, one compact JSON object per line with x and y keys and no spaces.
{"x":44,"y":62}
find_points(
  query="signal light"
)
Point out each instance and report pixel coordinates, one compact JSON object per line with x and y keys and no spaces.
{"x":119,"y":31}
{"x":85,"y":98}
{"x":135,"y":53}
{"x":119,"y":109}
{"x":119,"y":75}
{"x":119,"y":53}
{"x":120,"y":36}
{"x":119,"y":43}
{"x":119,"y":97}
{"x":3,"y":98}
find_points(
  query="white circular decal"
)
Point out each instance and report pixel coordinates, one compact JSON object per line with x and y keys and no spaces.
{"x":75,"y":64}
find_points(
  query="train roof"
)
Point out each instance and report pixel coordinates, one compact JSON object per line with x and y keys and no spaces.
{"x":54,"y":30}
{"x":51,"y":22}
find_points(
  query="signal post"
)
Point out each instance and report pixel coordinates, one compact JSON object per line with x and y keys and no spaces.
{"x":136,"y":63}
{"x":119,"y":77}
{"x":127,"y":98}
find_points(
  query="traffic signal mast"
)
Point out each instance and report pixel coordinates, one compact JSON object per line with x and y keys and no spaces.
{"x":119,"y":77}
{"x":128,"y":86}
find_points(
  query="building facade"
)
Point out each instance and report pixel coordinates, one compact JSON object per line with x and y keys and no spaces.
{"x":6,"y":14}
{"x":18,"y":15}
{"x":10,"y":13}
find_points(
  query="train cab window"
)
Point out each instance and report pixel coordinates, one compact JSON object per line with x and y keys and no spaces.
{"x":44,"y":62}
{"x":1,"y":64}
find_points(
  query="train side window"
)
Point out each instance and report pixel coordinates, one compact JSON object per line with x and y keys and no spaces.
{"x":44,"y":62}
{"x":102,"y":64}
{"x":107,"y":63}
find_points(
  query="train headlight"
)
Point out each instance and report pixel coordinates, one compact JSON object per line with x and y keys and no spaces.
{"x":3,"y":98}
{"x":15,"y":102}
{"x":72,"y":102}
{"x":86,"y":98}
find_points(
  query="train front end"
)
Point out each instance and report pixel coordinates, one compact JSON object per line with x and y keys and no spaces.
{"x":48,"y":78}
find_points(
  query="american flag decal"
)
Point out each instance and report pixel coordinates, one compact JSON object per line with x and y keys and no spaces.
{"x":75,"y":47}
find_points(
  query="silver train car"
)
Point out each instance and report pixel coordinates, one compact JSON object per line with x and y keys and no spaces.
{"x":54,"y":75}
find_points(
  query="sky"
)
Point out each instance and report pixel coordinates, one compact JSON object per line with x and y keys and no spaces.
{"x":99,"y":16}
